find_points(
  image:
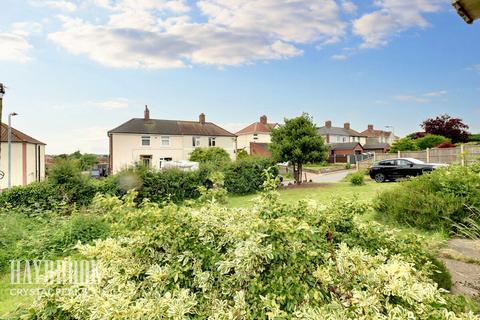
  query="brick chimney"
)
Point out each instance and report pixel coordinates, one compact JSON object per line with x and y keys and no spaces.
{"x":346,"y":125}
{"x":328,"y":124}
{"x":201,"y":118}
{"x":370,"y":127}
{"x":263,"y":119}
{"x":146,"y":113}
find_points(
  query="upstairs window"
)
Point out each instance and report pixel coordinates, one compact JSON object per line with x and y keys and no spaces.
{"x":211,"y":142}
{"x":145,"y":140}
{"x":196,"y":141}
{"x":165,"y":141}
{"x":255,"y":136}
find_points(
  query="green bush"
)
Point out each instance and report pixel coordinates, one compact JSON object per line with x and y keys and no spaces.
{"x":430,"y":141}
{"x":82,"y":228}
{"x":436,"y":201}
{"x":405,"y":144}
{"x":247,"y":175}
{"x":274,"y":261}
{"x":216,"y":155}
{"x":357,"y":179}
{"x":37,"y":195}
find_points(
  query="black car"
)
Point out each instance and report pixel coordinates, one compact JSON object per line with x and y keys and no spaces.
{"x":392,"y":169}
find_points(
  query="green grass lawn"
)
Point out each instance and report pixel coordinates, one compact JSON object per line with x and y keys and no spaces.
{"x":323,"y":193}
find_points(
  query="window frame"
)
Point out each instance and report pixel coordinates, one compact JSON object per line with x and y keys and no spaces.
{"x":196,"y":141}
{"x":212,"y":142}
{"x":146,"y":141}
{"x":163,"y":139}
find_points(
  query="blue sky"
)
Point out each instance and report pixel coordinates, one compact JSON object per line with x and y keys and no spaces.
{"x":75,"y":69}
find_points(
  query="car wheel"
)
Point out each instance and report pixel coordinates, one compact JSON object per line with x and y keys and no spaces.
{"x":380,"y":177}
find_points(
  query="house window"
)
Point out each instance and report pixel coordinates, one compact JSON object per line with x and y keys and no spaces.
{"x":344,"y":139}
{"x":196,"y":141}
{"x":165,"y":141}
{"x":211,"y":142}
{"x":145,"y":140}
{"x":146,"y":160}
{"x":255,"y":136}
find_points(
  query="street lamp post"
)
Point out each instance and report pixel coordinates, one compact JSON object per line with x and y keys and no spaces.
{"x":10,"y":148}
{"x":393,"y":131}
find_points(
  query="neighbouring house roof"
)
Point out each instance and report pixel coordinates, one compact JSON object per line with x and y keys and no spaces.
{"x":376,"y":146}
{"x":171,"y":127}
{"x":345,"y":146}
{"x":17,"y":136}
{"x":259,"y":149}
{"x":339,"y":131}
{"x":373,"y":133}
{"x":257,"y":127}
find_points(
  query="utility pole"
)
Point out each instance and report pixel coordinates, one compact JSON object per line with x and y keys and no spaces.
{"x":2,"y":92}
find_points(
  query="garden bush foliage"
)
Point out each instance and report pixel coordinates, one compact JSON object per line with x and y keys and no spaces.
{"x":275,"y":261}
{"x":216,"y":155}
{"x":436,"y":201}
{"x":246,"y":175}
{"x":357,"y":178}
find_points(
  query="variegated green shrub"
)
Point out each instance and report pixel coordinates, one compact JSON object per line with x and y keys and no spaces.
{"x":275,"y":261}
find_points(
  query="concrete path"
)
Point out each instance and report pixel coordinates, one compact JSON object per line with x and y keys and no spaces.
{"x":462,"y":258}
{"x":332,"y":177}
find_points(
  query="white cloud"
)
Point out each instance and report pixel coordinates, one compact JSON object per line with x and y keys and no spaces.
{"x":113,"y":104}
{"x":436,"y":93}
{"x":423,"y":98}
{"x":475,"y":67}
{"x":14,"y":44}
{"x":64,"y":5}
{"x":349,"y":7}
{"x":233,"y":32}
{"x":393,"y":17}
{"x":339,"y":57}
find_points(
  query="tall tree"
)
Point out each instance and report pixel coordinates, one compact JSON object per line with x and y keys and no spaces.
{"x":298,"y":142}
{"x":445,"y":125}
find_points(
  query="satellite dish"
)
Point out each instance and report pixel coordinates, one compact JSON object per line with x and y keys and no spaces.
{"x":2,"y":174}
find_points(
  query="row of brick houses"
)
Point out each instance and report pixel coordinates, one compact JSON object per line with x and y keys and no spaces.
{"x":155,"y":141}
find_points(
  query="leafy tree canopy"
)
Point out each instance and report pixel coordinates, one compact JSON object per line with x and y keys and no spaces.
{"x":445,"y":125}
{"x":298,"y":142}
{"x":405,"y":144}
{"x":430,"y":141}
{"x":213,"y":155}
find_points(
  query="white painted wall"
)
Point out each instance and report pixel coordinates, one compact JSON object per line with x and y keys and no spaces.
{"x":345,"y":139}
{"x":127,"y":148}
{"x":243,"y":140}
{"x":17,"y":164}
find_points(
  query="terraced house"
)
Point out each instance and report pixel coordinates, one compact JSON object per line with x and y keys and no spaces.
{"x":153,"y":142}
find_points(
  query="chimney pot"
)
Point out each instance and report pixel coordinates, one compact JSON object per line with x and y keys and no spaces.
{"x":346,"y":125}
{"x":146,"y":113}
{"x":370,"y":127}
{"x":263,"y":119}
{"x":201,"y":118}
{"x":328,"y":124}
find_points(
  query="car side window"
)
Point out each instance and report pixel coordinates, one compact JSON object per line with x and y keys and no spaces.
{"x":403,"y":163}
{"x":387,"y":163}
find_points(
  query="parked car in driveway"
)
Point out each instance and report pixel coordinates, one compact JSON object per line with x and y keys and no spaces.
{"x":392,"y":169}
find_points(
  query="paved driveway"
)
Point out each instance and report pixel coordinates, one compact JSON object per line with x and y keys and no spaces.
{"x":333,"y":177}
{"x":329,"y":177}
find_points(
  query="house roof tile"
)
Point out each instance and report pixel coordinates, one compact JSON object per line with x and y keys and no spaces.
{"x":17,"y":136}
{"x":170,"y":127}
{"x":339,"y":131}
{"x":257,"y":127}
{"x":345,"y":146}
